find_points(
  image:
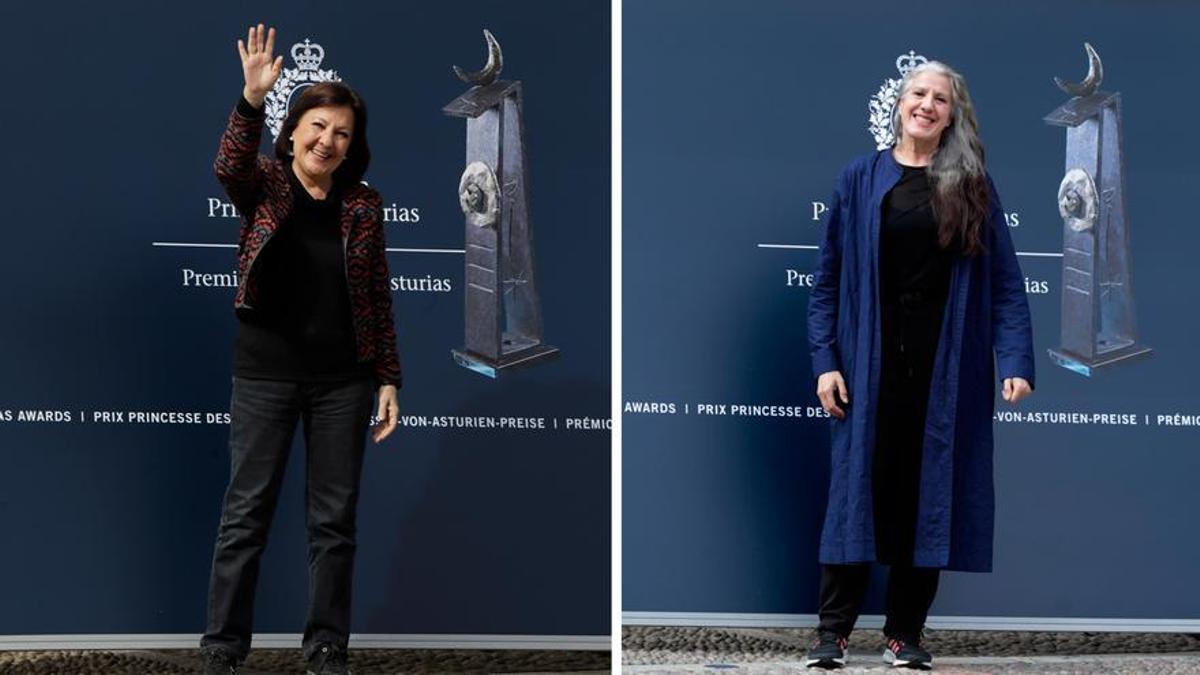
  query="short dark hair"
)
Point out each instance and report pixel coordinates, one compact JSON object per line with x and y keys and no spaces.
{"x":335,"y":94}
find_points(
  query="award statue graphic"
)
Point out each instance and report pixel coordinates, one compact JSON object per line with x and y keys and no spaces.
{"x":1098,"y":322}
{"x":503,"y":315}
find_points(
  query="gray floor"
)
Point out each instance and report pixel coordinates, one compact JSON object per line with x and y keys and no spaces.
{"x":1157,"y":664}
{"x":714,"y":651}
{"x":656,"y":649}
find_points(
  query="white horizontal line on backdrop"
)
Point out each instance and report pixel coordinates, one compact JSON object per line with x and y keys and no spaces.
{"x":181,"y":244}
{"x":811,"y":247}
{"x":185,"y":244}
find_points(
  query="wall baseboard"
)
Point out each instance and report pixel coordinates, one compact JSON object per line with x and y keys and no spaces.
{"x":736,"y":620}
{"x":288,"y":640}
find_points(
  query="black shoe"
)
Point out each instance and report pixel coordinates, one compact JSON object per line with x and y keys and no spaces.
{"x":829,"y":651}
{"x":907,"y":655}
{"x":327,"y":659}
{"x":218,"y":662}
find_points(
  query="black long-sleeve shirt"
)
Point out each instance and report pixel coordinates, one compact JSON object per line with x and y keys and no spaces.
{"x":301,"y":329}
{"x":911,"y":262}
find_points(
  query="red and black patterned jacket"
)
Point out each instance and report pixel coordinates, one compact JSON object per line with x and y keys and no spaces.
{"x":261,"y":193}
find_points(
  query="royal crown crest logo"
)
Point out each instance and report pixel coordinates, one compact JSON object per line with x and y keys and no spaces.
{"x":879,"y":120}
{"x":307,"y":56}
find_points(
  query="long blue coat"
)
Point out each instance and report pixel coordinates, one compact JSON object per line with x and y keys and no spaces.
{"x":986,"y":311}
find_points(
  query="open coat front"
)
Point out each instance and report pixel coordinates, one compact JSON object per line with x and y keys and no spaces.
{"x":986,"y":310}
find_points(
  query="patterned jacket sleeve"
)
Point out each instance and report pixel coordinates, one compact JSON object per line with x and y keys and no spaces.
{"x":387,"y":359}
{"x":238,"y":166}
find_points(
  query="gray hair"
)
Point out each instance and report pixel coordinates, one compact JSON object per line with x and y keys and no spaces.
{"x":960,"y":152}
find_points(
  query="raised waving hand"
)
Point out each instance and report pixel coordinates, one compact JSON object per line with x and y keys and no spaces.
{"x":258,"y":66}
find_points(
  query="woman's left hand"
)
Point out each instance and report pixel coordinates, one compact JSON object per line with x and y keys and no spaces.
{"x":388,"y":415}
{"x":1016,"y":388}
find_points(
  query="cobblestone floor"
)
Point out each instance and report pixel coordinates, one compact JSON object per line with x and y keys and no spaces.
{"x":288,"y":661}
{"x":660,"y":649}
{"x":1123,"y":664}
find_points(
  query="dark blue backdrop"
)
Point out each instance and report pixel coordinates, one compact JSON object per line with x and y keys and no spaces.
{"x":113,"y":120}
{"x":737,"y":116}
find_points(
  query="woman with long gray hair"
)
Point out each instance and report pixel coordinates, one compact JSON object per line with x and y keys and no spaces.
{"x":918,"y":291}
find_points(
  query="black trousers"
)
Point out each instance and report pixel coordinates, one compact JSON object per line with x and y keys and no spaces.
{"x":263,"y":417}
{"x":911,"y":326}
{"x":910,"y":592}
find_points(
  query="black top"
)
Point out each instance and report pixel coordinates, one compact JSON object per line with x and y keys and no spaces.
{"x":912,"y":265}
{"x":301,"y":328}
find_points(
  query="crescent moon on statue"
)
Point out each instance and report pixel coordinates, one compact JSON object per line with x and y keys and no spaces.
{"x":1089,"y":84}
{"x":491,"y":70}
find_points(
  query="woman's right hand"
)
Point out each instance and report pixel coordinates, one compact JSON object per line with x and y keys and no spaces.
{"x":831,"y":389}
{"x":258,"y":67}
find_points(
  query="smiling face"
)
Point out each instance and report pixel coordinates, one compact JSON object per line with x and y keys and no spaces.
{"x":320,"y":141}
{"x":925,"y":107}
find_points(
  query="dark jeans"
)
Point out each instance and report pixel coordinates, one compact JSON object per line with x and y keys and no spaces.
{"x":910,"y":592}
{"x":263,"y":417}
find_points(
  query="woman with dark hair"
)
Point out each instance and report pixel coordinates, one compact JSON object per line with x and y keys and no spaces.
{"x":316,"y":342}
{"x":918,"y":290}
